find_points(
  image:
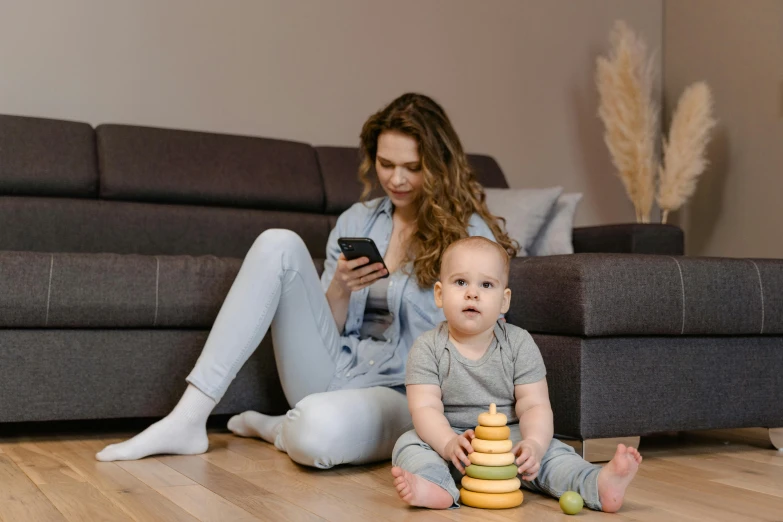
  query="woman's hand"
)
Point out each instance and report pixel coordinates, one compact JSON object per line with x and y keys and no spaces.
{"x":353,"y":275}
{"x":458,"y":449}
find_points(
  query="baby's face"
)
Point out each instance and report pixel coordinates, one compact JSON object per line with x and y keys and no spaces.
{"x":472,"y":289}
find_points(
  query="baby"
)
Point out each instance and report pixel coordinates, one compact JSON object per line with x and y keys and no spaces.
{"x":472,"y":360}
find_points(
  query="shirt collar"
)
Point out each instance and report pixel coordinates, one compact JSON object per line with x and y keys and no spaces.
{"x":499,"y":330}
{"x":385,"y":205}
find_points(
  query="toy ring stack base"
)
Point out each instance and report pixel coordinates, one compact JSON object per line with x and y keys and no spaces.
{"x":491,"y":500}
{"x":491,"y":486}
{"x":491,"y":481}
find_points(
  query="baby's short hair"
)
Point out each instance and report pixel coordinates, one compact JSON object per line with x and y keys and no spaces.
{"x":478,"y":242}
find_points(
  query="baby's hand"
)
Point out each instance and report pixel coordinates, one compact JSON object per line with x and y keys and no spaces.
{"x":458,"y":449}
{"x":529,"y":454}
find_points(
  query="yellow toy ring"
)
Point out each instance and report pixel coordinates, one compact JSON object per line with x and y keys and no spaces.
{"x":491,"y":459}
{"x":491,"y":446}
{"x":491,"y":500}
{"x":492,"y":418}
{"x":493,"y":433}
{"x":491,"y":486}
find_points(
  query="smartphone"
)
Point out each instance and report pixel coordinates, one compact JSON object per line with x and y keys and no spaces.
{"x":355,"y":247}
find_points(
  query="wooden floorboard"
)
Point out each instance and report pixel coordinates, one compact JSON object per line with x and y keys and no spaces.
{"x":722,"y":475}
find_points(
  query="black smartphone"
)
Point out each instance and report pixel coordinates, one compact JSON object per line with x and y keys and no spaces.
{"x":356,"y":247}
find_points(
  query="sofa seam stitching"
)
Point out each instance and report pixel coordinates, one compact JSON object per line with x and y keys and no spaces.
{"x":761,"y":291}
{"x":49,"y":290}
{"x":157,"y":286}
{"x":682,"y":286}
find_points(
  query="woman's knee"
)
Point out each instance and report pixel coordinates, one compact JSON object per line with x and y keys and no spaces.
{"x":276,"y":241}
{"x":316,"y":432}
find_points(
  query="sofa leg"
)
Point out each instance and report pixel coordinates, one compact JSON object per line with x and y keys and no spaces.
{"x":776,"y":436}
{"x":602,"y":450}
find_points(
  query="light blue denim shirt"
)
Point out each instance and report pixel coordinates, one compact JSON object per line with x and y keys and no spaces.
{"x":366,"y":362}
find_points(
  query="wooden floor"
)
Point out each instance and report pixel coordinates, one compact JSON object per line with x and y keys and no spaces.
{"x":728,"y":475}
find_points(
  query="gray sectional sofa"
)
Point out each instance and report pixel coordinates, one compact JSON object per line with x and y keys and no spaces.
{"x":118,"y":244}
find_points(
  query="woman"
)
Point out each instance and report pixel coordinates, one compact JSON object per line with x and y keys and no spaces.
{"x":340,"y":344}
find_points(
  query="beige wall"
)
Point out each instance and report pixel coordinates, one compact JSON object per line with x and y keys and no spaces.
{"x":737,"y":47}
{"x":516,"y":76}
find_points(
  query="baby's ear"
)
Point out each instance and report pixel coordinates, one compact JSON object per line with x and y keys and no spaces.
{"x":438,"y":292}
{"x":506,"y":300}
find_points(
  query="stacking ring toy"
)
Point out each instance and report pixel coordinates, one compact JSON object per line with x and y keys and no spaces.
{"x":491,"y":486}
{"x":491,"y":459}
{"x":493,"y":432}
{"x":493,"y":418}
{"x":491,"y":500}
{"x":492,"y":473}
{"x":491,"y":446}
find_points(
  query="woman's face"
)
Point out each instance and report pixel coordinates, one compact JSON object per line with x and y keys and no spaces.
{"x":398,"y":165}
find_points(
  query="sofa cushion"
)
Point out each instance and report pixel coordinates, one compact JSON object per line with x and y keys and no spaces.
{"x":45,"y":157}
{"x":73,"y":225}
{"x":626,"y":386}
{"x":556,"y":236}
{"x":525,"y":212}
{"x":173,"y":166}
{"x":340,"y":170}
{"x":40,"y":290}
{"x":626,"y":294}
{"x":630,"y":238}
{"x":69,"y":374}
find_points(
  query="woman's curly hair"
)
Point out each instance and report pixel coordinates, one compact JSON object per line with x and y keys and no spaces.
{"x":450,"y":192}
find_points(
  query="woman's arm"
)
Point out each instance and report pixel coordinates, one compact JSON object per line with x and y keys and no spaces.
{"x":338,"y":299}
{"x":339,"y":278}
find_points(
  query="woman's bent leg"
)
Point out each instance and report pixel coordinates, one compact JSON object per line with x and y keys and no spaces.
{"x":279,"y":286}
{"x":345,"y":427}
{"x":276,"y":261}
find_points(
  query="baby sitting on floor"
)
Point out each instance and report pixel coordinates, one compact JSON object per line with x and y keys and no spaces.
{"x":473,"y":359}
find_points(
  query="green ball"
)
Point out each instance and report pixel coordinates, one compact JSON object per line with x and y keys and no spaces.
{"x":571,"y":503}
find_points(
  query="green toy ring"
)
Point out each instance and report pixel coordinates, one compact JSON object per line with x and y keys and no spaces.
{"x":492,"y":472}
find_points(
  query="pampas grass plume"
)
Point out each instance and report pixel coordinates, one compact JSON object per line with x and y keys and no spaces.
{"x":624,"y":81}
{"x":684,"y":153}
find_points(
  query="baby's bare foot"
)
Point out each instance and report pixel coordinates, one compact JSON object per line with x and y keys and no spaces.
{"x":417,"y":491}
{"x":614,"y":478}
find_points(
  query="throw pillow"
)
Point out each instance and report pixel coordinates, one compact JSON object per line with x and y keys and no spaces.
{"x":556,"y":235}
{"x":525,"y":211}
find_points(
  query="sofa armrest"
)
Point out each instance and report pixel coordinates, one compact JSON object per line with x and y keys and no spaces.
{"x":595,"y":295}
{"x":631,"y":238}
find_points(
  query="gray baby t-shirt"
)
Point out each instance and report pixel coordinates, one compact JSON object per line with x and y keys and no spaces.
{"x":469,"y":387}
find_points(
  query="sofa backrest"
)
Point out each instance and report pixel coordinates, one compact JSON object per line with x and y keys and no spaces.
{"x":41,"y":157}
{"x":340,"y":165}
{"x":66,"y":187}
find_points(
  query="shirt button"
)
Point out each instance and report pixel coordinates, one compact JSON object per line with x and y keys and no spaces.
{"x":348,"y":374}
{"x":371,"y":363}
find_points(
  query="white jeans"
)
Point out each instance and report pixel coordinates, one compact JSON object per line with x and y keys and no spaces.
{"x":278,"y":287}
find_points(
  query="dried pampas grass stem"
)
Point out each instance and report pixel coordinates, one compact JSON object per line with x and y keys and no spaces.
{"x":684,"y":153}
{"x":624,"y":82}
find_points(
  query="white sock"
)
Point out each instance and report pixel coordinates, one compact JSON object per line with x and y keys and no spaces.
{"x":181,"y":432}
{"x":254,"y":424}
